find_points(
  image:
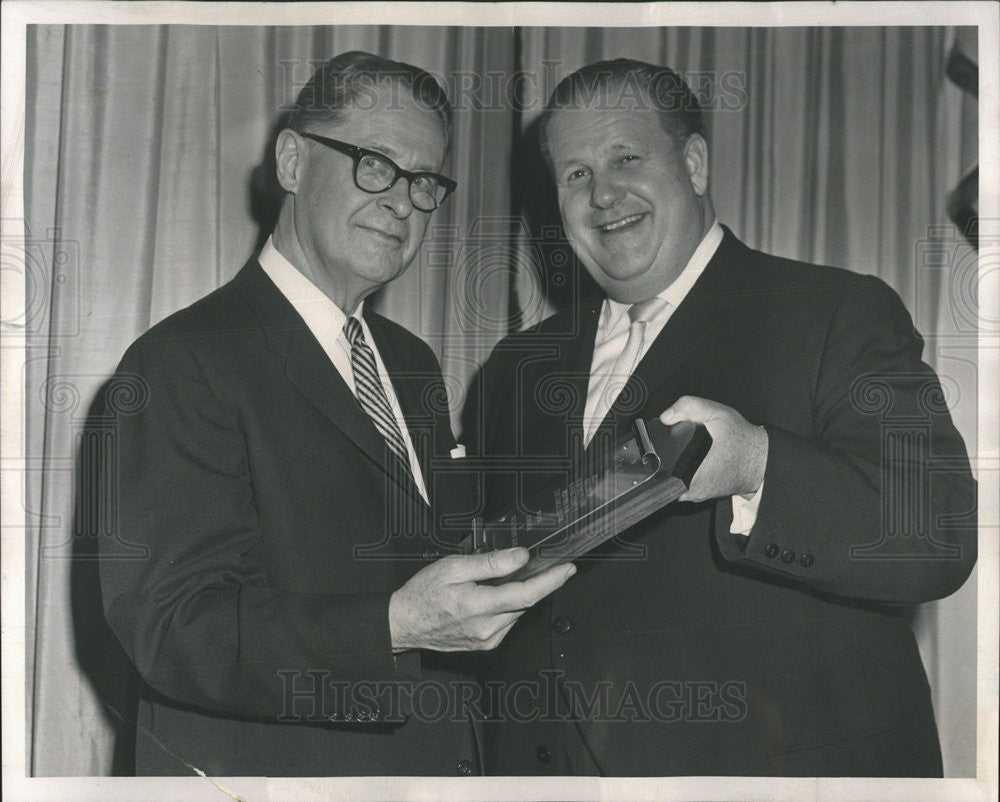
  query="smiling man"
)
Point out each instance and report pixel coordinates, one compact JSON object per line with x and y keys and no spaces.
{"x":279,"y":479}
{"x":760,"y":628}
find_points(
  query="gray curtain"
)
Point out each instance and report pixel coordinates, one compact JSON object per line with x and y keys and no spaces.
{"x":147,"y":185}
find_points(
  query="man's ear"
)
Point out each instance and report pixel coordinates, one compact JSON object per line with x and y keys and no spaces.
{"x":696,"y":161}
{"x":288,"y":151}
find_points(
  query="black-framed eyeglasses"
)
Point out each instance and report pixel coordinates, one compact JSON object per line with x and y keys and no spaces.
{"x":375,"y":172}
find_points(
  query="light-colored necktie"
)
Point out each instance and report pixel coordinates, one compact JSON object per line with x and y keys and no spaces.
{"x":370,"y":393}
{"x":639,"y":315}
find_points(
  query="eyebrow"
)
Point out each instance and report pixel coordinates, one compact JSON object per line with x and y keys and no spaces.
{"x":394,"y":154}
{"x":574,"y":159}
{"x":628,"y":144}
{"x":391,"y":152}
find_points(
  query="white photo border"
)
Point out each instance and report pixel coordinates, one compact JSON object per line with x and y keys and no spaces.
{"x":18,"y":14}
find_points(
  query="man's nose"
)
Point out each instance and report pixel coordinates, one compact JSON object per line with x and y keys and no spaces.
{"x":604,"y":191}
{"x":396,"y":199}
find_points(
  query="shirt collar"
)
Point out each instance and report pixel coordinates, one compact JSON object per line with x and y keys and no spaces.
{"x":309,"y":301}
{"x":681,"y":286}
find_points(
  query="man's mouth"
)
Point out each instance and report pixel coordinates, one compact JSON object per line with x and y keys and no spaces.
{"x":383,"y":234}
{"x":622,"y":224}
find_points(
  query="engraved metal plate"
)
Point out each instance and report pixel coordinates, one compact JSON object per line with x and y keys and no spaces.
{"x":646,"y":469}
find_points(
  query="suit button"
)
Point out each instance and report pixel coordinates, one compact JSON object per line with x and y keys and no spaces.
{"x":772,"y":551}
{"x":788,"y":556}
{"x":464,"y":768}
{"x":561,"y":624}
{"x":543,"y":753}
{"x":430,"y":553}
{"x":807,"y":560}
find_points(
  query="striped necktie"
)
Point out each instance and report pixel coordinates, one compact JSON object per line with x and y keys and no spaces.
{"x":370,"y":393}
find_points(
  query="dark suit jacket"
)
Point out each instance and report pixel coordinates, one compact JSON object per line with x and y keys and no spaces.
{"x":273,"y":535}
{"x":676,"y":651}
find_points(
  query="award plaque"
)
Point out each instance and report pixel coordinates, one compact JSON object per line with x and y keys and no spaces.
{"x":646,"y":469}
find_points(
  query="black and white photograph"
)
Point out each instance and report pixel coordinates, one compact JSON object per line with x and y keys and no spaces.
{"x":500,"y":401}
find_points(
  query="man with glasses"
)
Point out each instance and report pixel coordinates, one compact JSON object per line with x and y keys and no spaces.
{"x":286,"y":620}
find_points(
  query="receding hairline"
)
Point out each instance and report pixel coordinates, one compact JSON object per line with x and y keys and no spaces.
{"x":612,"y":79}
{"x":343,"y":82}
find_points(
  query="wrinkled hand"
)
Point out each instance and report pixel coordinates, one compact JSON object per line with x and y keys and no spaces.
{"x":735,"y":463}
{"x":442,"y":607}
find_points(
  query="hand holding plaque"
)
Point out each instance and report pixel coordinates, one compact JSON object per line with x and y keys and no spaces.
{"x":738,"y":459}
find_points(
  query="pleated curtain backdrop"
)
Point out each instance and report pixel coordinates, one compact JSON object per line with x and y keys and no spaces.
{"x":146,"y":183}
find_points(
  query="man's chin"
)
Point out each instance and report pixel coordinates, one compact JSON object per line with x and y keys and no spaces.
{"x":626,"y":287}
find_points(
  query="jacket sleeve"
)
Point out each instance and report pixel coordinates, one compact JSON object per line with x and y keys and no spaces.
{"x":194,"y":612}
{"x":879,"y":503}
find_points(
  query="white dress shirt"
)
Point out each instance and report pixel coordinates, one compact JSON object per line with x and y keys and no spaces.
{"x":613,"y":326}
{"x":326,"y":322}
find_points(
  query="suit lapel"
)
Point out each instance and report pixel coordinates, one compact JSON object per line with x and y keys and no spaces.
{"x":557,"y":377}
{"x":703,"y":314}
{"x":309,"y":369}
{"x":579,"y":365}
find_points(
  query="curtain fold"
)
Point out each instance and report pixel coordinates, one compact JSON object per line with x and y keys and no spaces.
{"x":148,"y":184}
